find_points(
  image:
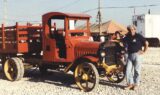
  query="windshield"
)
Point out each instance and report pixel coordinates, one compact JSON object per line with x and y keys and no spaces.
{"x":77,"y":24}
{"x":78,"y":27}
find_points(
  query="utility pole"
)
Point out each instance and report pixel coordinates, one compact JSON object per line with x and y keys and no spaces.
{"x":149,"y":11}
{"x":4,"y":12}
{"x":134,"y":16}
{"x":99,"y":17}
{"x":134,"y":11}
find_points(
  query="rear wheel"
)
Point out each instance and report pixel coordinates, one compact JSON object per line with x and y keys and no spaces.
{"x":86,"y":76}
{"x":14,"y":69}
{"x":3,"y":59}
{"x":43,"y":69}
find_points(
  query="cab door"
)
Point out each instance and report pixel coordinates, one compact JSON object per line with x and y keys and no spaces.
{"x":54,"y":44}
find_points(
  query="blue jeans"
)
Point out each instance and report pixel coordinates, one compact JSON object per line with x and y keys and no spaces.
{"x":134,"y":62}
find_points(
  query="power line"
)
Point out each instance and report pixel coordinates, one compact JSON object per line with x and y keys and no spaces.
{"x":60,"y":8}
{"x":76,"y":1}
{"x":67,"y":5}
{"x":129,"y":7}
{"x":89,"y":10}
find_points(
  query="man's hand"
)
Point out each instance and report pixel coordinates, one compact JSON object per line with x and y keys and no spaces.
{"x":145,"y":48}
{"x":141,"y":52}
{"x":113,"y":40}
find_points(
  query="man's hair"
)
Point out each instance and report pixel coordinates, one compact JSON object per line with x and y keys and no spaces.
{"x":117,"y":32}
{"x":131,"y":26}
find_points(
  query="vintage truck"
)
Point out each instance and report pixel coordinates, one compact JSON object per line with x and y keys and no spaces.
{"x":58,"y":44}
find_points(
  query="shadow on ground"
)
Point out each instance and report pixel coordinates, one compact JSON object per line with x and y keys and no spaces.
{"x":57,"y":78}
{"x":1,"y":73}
{"x":107,"y":83}
{"x":51,"y":77}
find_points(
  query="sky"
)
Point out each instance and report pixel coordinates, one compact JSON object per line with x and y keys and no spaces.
{"x":32,"y":10}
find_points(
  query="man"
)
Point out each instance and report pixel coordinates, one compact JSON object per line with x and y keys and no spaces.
{"x":119,"y":46}
{"x":134,"y":42}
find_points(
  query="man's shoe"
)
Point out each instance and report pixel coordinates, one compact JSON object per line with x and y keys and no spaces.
{"x":129,"y":87}
{"x":135,"y":87}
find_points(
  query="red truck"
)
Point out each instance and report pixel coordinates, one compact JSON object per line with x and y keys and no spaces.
{"x":59,"y":43}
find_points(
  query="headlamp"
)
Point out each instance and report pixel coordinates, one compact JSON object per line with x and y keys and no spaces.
{"x":103,"y":54}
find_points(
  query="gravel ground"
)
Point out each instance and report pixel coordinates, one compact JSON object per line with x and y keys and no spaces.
{"x":58,"y":83}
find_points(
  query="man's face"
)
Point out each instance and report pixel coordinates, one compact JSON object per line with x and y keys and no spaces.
{"x":118,"y":35}
{"x":133,"y":31}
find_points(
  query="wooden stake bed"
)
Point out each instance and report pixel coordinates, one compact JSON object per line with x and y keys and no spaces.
{"x":20,"y":39}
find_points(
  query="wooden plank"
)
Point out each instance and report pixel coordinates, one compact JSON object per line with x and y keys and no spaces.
{"x":3,"y":37}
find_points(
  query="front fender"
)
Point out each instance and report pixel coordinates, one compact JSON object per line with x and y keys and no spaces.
{"x":87,"y":58}
{"x":93,"y":59}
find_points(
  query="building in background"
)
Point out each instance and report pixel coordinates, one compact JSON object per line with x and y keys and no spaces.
{"x":148,"y":25}
{"x":109,"y":27}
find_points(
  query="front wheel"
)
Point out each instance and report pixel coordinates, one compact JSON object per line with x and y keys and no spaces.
{"x":117,"y":76}
{"x":86,"y":76}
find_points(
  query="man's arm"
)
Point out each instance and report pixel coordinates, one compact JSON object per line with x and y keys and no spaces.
{"x":145,"y":46}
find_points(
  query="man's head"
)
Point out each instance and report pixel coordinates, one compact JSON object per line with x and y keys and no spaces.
{"x":117,"y":34}
{"x":132,"y":29}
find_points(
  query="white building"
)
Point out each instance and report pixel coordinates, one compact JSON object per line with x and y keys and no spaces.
{"x":148,"y":25}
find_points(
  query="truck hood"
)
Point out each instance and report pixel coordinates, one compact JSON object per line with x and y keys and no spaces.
{"x":86,"y":48}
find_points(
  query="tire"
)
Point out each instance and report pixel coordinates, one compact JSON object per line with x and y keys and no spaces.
{"x":84,"y":74}
{"x":2,"y":62}
{"x":14,"y":69}
{"x":117,"y":77}
{"x":43,"y":69}
{"x":21,"y":67}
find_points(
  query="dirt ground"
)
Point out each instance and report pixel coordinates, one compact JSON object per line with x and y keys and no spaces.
{"x":58,"y":83}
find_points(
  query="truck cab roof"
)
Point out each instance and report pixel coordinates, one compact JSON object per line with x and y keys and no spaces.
{"x":71,"y":15}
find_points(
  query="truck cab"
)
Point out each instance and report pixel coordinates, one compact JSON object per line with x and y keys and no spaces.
{"x":62,"y":31}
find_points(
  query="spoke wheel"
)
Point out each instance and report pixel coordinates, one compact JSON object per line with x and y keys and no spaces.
{"x":86,"y":76}
{"x":13,"y":69}
{"x":117,"y":76}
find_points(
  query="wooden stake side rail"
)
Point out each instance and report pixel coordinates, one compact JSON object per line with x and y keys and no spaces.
{"x":20,"y":38}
